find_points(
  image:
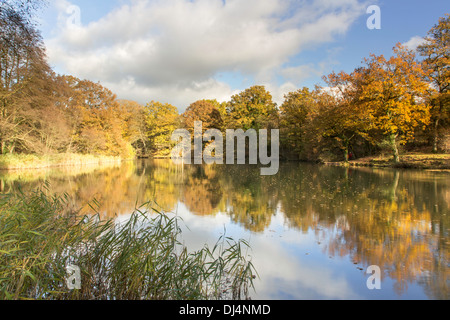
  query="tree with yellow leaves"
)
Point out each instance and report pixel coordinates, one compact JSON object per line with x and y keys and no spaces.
{"x":294,"y":116}
{"x":161,"y":121}
{"x":393,"y":94}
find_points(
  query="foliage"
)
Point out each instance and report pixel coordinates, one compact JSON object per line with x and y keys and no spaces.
{"x":161,"y":120}
{"x":204,"y":111}
{"x":34,"y":161}
{"x":134,"y":129}
{"x":340,"y":116}
{"x":294,"y":119}
{"x":387,"y":101}
{"x":142,"y":258}
{"x":380,"y":207}
{"x":252,"y":108}
{"x":393,"y":93}
{"x":25,"y":76}
{"x":436,"y":54}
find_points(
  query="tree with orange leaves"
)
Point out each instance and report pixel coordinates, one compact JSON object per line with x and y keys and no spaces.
{"x":393,"y":93}
{"x":340,"y":116}
{"x":204,"y":111}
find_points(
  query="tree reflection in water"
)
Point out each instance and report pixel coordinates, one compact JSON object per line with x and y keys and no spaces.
{"x":398,"y":220}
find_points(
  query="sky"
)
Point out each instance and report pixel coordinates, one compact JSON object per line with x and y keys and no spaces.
{"x":181,"y":51}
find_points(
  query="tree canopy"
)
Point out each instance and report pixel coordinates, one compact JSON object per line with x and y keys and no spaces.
{"x":391,"y":101}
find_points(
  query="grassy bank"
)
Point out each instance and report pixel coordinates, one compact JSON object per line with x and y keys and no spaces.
{"x":142,"y":258}
{"x":411,"y":160}
{"x":25,"y":161}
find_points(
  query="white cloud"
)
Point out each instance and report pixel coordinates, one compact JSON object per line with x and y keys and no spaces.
{"x":172,"y":50}
{"x":178,"y":95}
{"x":414,"y":42}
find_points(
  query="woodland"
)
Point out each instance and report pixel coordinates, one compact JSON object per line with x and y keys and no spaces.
{"x":391,"y":105}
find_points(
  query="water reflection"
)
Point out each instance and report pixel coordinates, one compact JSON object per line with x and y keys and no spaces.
{"x":398,"y":220}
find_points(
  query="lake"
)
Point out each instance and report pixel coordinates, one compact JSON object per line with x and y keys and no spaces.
{"x":313,"y":230}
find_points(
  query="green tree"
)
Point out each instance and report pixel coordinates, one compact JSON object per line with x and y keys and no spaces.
{"x":294,"y":118}
{"x":162,"y":119}
{"x":252,"y":109}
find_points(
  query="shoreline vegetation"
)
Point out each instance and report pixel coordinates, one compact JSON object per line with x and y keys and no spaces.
{"x":50,"y":120}
{"x":424,"y":161}
{"x":10,"y":162}
{"x":142,"y":258}
{"x":386,"y":104}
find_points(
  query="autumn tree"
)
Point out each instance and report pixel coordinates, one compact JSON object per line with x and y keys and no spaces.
{"x":204,"y":111}
{"x":393,"y":94}
{"x":252,"y":109}
{"x":294,"y":118}
{"x":134,"y":127}
{"x":25,"y":8}
{"x":98,"y":123}
{"x":26,"y":78}
{"x":340,"y":116}
{"x":52,"y":124}
{"x":436,"y":54}
{"x":221,"y":106}
{"x":89,"y":100}
{"x":162,"y":119}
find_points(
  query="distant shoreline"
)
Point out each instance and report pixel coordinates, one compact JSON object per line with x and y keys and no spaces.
{"x":30,"y":162}
{"x":440,"y":162}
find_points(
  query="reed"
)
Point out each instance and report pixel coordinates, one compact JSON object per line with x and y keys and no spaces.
{"x":34,"y":161}
{"x":142,"y":258}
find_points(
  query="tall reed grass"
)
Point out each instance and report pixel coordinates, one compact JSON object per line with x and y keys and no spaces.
{"x":140,"y":259}
{"x":34,"y":161}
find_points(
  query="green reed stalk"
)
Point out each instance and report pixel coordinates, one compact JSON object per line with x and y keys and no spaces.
{"x":142,"y":258}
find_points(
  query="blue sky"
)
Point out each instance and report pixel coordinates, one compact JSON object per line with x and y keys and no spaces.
{"x":180,"y":51}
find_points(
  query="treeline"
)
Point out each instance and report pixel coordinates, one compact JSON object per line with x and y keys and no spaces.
{"x":385,"y":103}
{"x":42,"y":112}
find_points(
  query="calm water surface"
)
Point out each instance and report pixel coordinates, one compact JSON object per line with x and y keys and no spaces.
{"x":313,"y":230}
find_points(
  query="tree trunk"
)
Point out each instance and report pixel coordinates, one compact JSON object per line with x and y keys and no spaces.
{"x":346,"y":154}
{"x":346,"y":147}
{"x":393,"y":191}
{"x":436,"y":136}
{"x":145,"y":153}
{"x":13,"y":147}
{"x":393,"y":142}
{"x":69,"y":147}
